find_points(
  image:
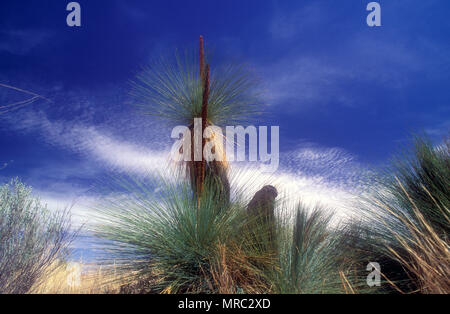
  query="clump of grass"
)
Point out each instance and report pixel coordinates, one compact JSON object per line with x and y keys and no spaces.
{"x":31,"y":238}
{"x":179,"y":244}
{"x":236,"y":269}
{"x":422,"y":175}
{"x":312,"y":257}
{"x":161,"y":236}
{"x":406,"y":220}
{"x":166,"y":242}
{"x":425,"y":252}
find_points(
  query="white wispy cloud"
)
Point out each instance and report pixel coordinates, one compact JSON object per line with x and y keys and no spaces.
{"x":305,"y":81}
{"x":439,"y":130}
{"x":312,"y":175}
{"x":309,"y":173}
{"x":246,"y":179}
{"x":80,"y":207}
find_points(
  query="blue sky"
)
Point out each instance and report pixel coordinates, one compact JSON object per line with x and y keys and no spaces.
{"x":345,"y":95}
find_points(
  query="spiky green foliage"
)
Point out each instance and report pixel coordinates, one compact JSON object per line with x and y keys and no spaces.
{"x":172,"y":89}
{"x":409,"y":199}
{"x":182,"y":88}
{"x":31,"y":238}
{"x":312,"y":257}
{"x":413,"y":254}
{"x":424,"y":173}
{"x":165,"y":235}
{"x":160,"y":236}
{"x":425,"y":254}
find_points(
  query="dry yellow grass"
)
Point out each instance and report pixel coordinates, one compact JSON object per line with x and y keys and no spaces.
{"x":233,"y":269}
{"x":428,"y":255}
{"x":63,"y":278}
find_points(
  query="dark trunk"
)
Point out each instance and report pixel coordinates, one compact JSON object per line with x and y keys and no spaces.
{"x":213,"y":173}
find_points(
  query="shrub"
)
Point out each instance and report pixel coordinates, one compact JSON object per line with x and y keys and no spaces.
{"x":31,"y":238}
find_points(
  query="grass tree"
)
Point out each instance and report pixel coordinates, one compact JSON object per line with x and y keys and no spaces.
{"x":184,"y":88}
{"x":207,"y":242}
{"x":172,"y":242}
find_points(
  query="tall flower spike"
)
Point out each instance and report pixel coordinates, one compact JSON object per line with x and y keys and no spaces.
{"x":204,"y":123}
{"x":199,"y":167}
{"x":202,"y":59}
